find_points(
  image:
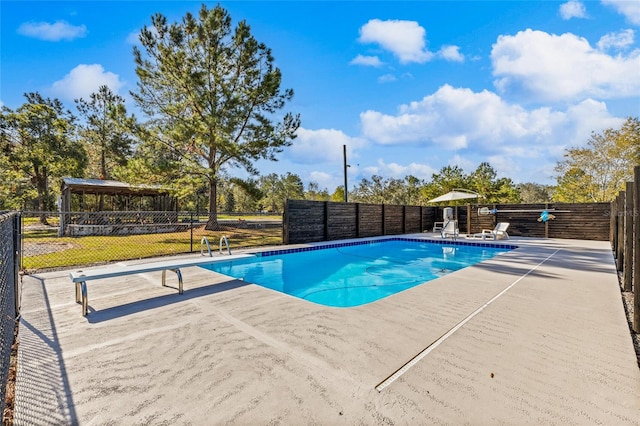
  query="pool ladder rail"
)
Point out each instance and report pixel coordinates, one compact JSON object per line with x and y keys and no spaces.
{"x":205,"y":242}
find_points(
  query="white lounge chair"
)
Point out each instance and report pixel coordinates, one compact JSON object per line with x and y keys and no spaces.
{"x":499,"y":232}
{"x":450,"y":229}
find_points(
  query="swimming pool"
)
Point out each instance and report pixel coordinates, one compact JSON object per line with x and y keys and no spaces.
{"x":355,"y":273}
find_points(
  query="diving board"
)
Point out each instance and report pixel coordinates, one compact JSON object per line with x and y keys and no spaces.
{"x":80,"y":277}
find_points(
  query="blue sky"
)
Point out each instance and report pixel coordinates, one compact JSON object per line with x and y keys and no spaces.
{"x":408,"y":87}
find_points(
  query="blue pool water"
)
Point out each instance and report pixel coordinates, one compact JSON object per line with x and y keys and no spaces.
{"x":356,"y":273}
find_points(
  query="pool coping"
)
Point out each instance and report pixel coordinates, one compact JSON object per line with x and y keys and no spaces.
{"x":372,"y":240}
{"x":554,"y":348}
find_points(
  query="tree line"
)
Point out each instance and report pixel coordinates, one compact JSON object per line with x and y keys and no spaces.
{"x":213,"y":103}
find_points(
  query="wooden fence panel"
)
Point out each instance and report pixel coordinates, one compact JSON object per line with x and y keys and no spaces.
{"x":304,"y":222}
{"x":412,"y":219}
{"x":370,"y":220}
{"x":311,"y":221}
{"x":429,"y":218}
{"x":625,"y":241}
{"x":586,"y":221}
{"x":393,"y":219}
{"x":341,"y":221}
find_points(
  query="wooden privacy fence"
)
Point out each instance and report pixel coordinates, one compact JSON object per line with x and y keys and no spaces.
{"x":582,"y":221}
{"x":625,"y":240}
{"x":314,"y":221}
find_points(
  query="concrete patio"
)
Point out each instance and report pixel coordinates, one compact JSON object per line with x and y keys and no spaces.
{"x":534,"y":336}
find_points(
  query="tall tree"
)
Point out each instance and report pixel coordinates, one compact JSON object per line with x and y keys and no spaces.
{"x":276,"y":189}
{"x":107,"y":131}
{"x":313,"y":192}
{"x":595,"y":173}
{"x":338,"y":195}
{"x":483,"y":181}
{"x":531,"y":193}
{"x":370,"y":191}
{"x":213,"y":92}
{"x":44,"y":146}
{"x":448,"y":179}
{"x":492,"y":189}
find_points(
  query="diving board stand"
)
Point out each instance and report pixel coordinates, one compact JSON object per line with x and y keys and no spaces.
{"x":80,"y":277}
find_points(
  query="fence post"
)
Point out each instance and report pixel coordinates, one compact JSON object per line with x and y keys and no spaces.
{"x":285,"y":222}
{"x":616,"y":234}
{"x":546,"y":222}
{"x":191,"y":227}
{"x":17,"y":260}
{"x":627,"y":267}
{"x":326,"y":220}
{"x":620,"y":231}
{"x":612,"y":225}
{"x":357,"y":220}
{"x":636,"y":250}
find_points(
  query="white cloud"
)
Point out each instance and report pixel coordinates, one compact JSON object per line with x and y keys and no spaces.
{"x":370,"y":61}
{"x":405,"y":39}
{"x":468,"y":164}
{"x":59,"y":30}
{"x":84,"y":80}
{"x":324,"y":145}
{"x":619,"y":40}
{"x":460,"y":120}
{"x":573,"y":9}
{"x":323,"y":179}
{"x":399,"y":171}
{"x":629,"y":8}
{"x":451,"y":53}
{"x":387,"y":78}
{"x":452,"y":118}
{"x":560,"y":68}
{"x":133,"y":37}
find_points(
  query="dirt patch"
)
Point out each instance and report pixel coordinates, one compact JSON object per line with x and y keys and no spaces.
{"x":10,"y":390}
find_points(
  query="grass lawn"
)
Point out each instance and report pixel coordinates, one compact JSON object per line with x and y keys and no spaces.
{"x":43,"y":249}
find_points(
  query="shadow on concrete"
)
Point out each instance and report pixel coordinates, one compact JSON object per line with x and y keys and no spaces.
{"x":522,"y":262}
{"x":43,"y":394}
{"x":107,"y":314}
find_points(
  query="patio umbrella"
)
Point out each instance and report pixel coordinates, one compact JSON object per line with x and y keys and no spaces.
{"x":456,"y":194}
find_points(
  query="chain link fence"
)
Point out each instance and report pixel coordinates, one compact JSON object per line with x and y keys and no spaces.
{"x":53,"y":240}
{"x":9,"y":297}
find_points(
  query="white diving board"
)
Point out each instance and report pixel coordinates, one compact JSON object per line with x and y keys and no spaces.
{"x":81,"y":277}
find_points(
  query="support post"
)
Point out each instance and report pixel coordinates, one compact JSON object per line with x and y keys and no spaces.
{"x":620,"y":231}
{"x":636,"y":250}
{"x":612,"y":224}
{"x":546,"y":222}
{"x":614,"y":230}
{"x":326,"y":221}
{"x":357,"y":220}
{"x":346,"y":191}
{"x":627,"y":267}
{"x":191,"y":231}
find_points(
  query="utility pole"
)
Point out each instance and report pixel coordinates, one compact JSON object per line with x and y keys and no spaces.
{"x":344,"y":151}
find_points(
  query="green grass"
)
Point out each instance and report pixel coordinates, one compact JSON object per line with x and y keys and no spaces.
{"x":103,"y":249}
